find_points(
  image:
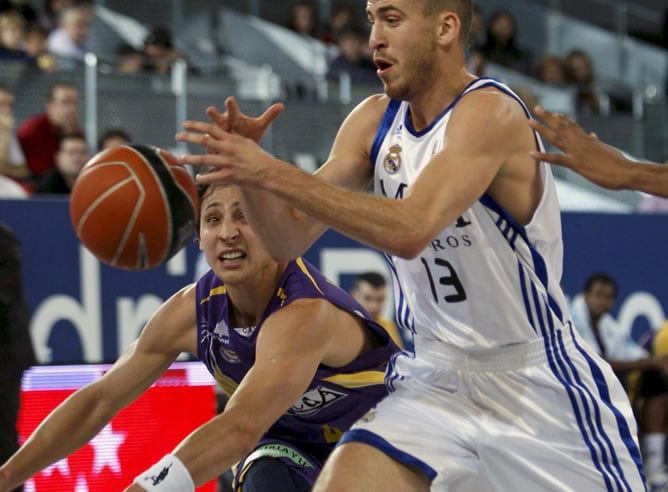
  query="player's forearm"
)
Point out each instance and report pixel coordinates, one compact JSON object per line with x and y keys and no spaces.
{"x":285,"y":232}
{"x":216,"y":446}
{"x":66,"y":429}
{"x":385,"y":224}
{"x":648,"y":177}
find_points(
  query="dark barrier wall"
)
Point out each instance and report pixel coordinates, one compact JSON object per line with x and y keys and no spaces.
{"x":86,"y":311}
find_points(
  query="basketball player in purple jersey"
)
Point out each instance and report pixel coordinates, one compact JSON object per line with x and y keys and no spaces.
{"x":300,"y":359}
{"x":501,"y":393}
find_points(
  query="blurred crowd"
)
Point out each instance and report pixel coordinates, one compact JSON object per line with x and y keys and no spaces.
{"x":57,"y":35}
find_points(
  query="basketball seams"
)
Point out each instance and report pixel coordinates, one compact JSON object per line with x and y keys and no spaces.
{"x":120,"y":216}
{"x":153,"y":160}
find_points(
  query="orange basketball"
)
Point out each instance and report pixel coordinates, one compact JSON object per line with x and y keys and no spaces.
{"x":134,"y":206}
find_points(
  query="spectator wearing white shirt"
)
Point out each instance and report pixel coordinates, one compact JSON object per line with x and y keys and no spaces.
{"x":70,"y":39}
{"x":590,"y":312}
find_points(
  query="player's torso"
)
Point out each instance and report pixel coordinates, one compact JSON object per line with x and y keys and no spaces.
{"x":473,"y":285}
{"x":334,"y":399}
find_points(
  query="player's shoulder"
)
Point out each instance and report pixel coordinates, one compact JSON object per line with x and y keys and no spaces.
{"x":491,"y":100}
{"x":372,"y":108}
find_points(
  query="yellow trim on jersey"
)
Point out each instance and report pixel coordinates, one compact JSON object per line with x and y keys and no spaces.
{"x":357,"y":379}
{"x":227,"y":384}
{"x":392,"y":330}
{"x":214,"y":292}
{"x":302,"y":267}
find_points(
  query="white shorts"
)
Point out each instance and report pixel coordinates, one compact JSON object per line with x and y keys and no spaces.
{"x":514,"y":419}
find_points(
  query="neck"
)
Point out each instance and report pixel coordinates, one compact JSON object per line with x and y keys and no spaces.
{"x":250,"y":299}
{"x":429,"y":104}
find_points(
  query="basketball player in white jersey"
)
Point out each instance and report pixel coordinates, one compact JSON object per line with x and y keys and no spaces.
{"x":501,"y":393}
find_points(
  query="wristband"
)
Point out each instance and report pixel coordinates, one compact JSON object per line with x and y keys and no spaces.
{"x":167,"y":475}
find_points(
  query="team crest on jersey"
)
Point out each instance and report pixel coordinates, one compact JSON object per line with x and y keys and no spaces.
{"x":392,"y":161}
{"x":315,"y":400}
{"x":229,"y":356}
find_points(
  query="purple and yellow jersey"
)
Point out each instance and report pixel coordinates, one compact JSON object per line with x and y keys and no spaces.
{"x":336,"y":397}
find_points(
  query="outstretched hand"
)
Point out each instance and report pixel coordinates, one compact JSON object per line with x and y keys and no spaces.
{"x":583,"y":152}
{"x":235,"y":158}
{"x":234,"y":121}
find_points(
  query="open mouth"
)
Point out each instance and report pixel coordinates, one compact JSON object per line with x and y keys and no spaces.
{"x":232,"y":256}
{"x":382,"y":65}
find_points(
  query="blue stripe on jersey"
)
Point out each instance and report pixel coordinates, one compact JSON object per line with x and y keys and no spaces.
{"x":427,"y":129}
{"x":604,"y":393}
{"x":491,"y":82}
{"x":374,"y":440}
{"x":539,"y":265}
{"x":391,"y":375}
{"x":554,"y":366}
{"x":385,"y":124}
{"x":403,"y":316}
{"x":565,"y":371}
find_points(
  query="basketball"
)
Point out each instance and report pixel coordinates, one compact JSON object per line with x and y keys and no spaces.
{"x":134,"y":206}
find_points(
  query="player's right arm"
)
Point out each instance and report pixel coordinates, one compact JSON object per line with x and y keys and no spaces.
{"x":595,"y":160}
{"x":286,"y":232}
{"x":170,"y":331}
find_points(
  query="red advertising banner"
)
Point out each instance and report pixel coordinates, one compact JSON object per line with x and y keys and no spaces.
{"x":181,"y":400}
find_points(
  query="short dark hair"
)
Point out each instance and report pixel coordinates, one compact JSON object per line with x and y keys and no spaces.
{"x":112,"y":133}
{"x":602,"y":278}
{"x":374,"y":279}
{"x":463,"y":9}
{"x":70,"y":136}
{"x":159,"y":36}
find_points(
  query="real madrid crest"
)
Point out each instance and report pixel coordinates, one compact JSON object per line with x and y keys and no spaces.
{"x":392,"y":161}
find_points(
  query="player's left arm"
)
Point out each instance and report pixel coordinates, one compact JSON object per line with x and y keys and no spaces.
{"x":292,"y":343}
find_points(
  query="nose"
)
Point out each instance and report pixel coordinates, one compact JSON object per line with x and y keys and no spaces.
{"x":376,"y":38}
{"x":228,"y":231}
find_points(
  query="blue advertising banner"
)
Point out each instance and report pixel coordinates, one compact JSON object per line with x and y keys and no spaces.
{"x":85,"y":311}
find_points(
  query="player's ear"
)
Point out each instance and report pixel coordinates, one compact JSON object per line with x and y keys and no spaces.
{"x":449,"y":27}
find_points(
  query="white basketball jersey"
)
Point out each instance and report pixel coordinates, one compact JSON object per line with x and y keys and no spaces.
{"x":485,"y":281}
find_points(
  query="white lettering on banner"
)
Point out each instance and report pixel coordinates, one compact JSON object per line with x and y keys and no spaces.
{"x":85,"y":313}
{"x":177,"y":266}
{"x":639,"y":304}
{"x":338,"y":261}
{"x":132,"y":316}
{"x":85,"y":316}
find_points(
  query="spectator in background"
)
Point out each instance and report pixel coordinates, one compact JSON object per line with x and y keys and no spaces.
{"x":352,"y":58}
{"x":129,"y":59}
{"x":70,"y":158}
{"x":501,"y":45}
{"x":113,"y":137}
{"x":303,"y":19}
{"x":477,"y":32}
{"x":40,"y":135}
{"x":12,"y":160}
{"x":51,"y":11}
{"x":35,"y":45}
{"x":70,"y":40}
{"x":12,"y":36}
{"x":551,"y":71}
{"x":580,"y":73}
{"x":16,"y":351}
{"x":590,"y":312}
{"x":159,"y":51}
{"x":23,"y":8}
{"x":370,"y":290}
{"x":340,"y":18}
